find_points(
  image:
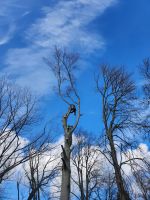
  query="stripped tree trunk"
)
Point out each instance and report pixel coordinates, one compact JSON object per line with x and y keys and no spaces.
{"x":66,"y":151}
{"x":66,"y":171}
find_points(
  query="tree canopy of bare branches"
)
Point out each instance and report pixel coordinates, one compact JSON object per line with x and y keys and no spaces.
{"x":145,"y":69}
{"x":64,"y":68}
{"x":16,"y":114}
{"x":117,"y":93}
{"x":86,"y":161}
{"x":39,"y":170}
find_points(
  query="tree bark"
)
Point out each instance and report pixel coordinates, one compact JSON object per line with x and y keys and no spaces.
{"x":66,"y":151}
{"x":122,"y":194}
{"x":66,"y":171}
{"x":81,"y":186}
{"x":32,"y":195}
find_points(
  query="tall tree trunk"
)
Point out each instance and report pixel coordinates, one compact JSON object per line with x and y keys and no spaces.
{"x":87,"y":184}
{"x":18,"y":190}
{"x":32,"y":195}
{"x":66,"y":170}
{"x":122,"y":193}
{"x":38,"y":194}
{"x":81,"y":186}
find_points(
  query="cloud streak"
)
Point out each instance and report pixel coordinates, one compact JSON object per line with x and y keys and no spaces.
{"x":26,"y":67}
{"x":6,"y":35}
{"x":10,"y":13}
{"x":66,"y":24}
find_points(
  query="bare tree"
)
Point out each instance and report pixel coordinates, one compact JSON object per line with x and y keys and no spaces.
{"x":87,"y":164}
{"x":117,"y":94}
{"x":64,"y":68}
{"x":145,"y":69}
{"x":141,"y":174}
{"x":107,"y":189}
{"x":39,"y":170}
{"x":17,"y":108}
{"x":142,"y":177}
{"x":145,"y":121}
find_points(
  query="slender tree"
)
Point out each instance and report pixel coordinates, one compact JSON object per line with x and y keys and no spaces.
{"x":17,"y":109}
{"x":145,"y":69}
{"x":141,"y":174}
{"x":64,"y":69}
{"x":87,"y":163}
{"x":145,"y":121}
{"x":39,"y":171}
{"x":117,"y":94}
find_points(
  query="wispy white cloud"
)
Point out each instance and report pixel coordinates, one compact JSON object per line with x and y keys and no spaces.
{"x":6,"y":35}
{"x":26,"y":13}
{"x":14,"y":8}
{"x":10,"y":13}
{"x":64,"y":23}
{"x":26,"y":67}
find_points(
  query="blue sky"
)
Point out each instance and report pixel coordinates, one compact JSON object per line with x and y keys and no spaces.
{"x":112,"y":31}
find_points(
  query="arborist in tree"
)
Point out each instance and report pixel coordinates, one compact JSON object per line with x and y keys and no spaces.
{"x":72,"y":109}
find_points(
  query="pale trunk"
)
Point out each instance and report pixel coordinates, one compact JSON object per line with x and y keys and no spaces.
{"x":66,"y":171}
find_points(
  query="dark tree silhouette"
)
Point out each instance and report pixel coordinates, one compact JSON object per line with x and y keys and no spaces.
{"x":117,"y":93}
